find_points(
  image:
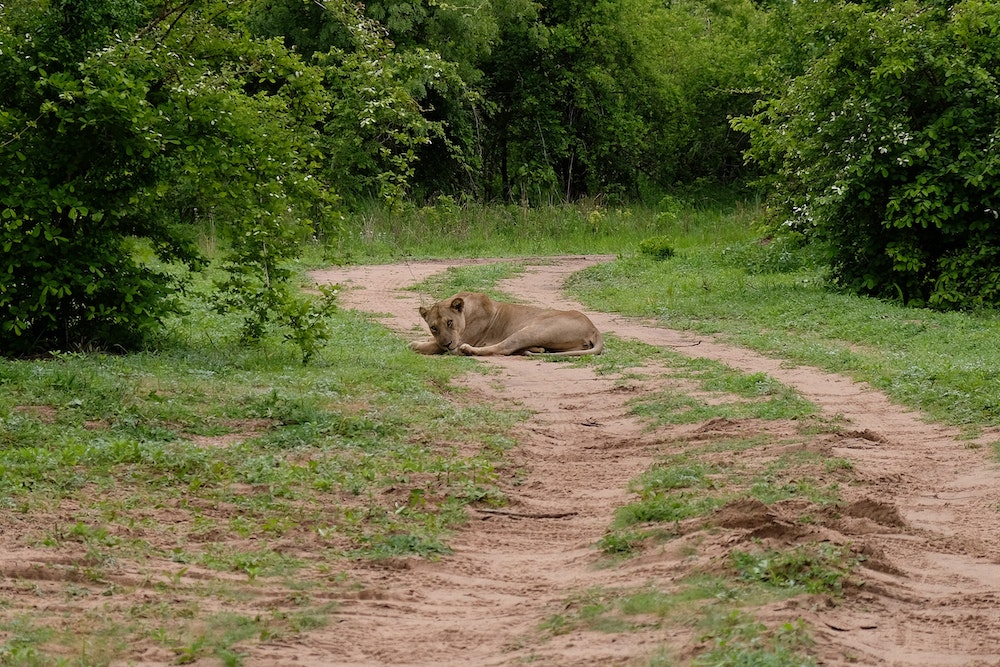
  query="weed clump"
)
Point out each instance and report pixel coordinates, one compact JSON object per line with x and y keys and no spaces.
{"x":817,"y":568}
{"x":658,"y":247}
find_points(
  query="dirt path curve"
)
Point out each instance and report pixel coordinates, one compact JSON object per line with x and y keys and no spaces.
{"x":934,"y":599}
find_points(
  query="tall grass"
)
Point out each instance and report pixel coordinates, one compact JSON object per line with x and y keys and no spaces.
{"x":450,"y":229}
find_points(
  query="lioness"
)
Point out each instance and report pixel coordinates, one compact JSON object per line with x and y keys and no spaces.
{"x":472,"y":323}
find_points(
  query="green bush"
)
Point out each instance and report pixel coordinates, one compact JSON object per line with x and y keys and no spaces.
{"x":81,"y":150}
{"x":785,"y":253}
{"x":119,"y":122}
{"x":885,"y":148}
{"x":657,"y":247}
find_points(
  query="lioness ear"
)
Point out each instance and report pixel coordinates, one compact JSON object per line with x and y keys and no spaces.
{"x":423,"y":312}
{"x":457,"y":305}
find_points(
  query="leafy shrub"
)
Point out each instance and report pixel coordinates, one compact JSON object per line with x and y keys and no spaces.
{"x":657,"y":247}
{"x":779,"y":254}
{"x":670,"y":208}
{"x":886,"y":148}
{"x":118,"y":126}
{"x":82,"y":149}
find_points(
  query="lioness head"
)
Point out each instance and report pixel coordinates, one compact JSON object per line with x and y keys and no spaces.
{"x":446,"y":320}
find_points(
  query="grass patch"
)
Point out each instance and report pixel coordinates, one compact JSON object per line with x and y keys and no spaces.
{"x":738,"y":639}
{"x":708,"y":608}
{"x":775,"y":300}
{"x":765,"y":452}
{"x":812,"y":568}
{"x":697,"y":479}
{"x":715,"y":390}
{"x":474,"y":278}
{"x":449,"y":229}
{"x":716,"y":609}
{"x":620,"y":355}
{"x":209,"y":461}
{"x":669,"y":494}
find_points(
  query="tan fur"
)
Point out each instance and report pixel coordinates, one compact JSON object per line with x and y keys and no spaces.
{"x":472,"y":323}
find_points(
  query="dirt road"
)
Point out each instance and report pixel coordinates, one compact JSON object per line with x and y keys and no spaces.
{"x":923,"y":504}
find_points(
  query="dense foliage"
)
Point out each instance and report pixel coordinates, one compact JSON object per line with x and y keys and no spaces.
{"x":885,"y":148}
{"x":122,"y":122}
{"x":615,"y":98}
{"x":129,"y":127}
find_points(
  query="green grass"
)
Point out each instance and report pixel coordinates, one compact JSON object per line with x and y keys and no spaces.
{"x":448,"y":229}
{"x":716,"y":609}
{"x":476,"y":278}
{"x":709,"y":607}
{"x":812,"y":568}
{"x":717,"y":391}
{"x":942,"y":363}
{"x":737,"y":640}
{"x":264,"y":468}
{"x":341,"y":425}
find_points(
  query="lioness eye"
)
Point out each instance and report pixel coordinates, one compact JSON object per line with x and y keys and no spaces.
{"x":434,"y":329}
{"x":449,"y":323}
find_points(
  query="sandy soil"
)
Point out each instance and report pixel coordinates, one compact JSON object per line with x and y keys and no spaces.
{"x":921,"y":503}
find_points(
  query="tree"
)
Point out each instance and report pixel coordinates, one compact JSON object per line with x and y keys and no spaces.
{"x":608,"y":96}
{"x":708,"y":61}
{"x":121,"y":114}
{"x":886,"y":148}
{"x":535,"y":101}
{"x":565,"y":117}
{"x":379,"y":118}
{"x":396,"y":75}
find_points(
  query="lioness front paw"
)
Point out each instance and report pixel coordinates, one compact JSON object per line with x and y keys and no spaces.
{"x":466,"y":349}
{"x":426,"y":348}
